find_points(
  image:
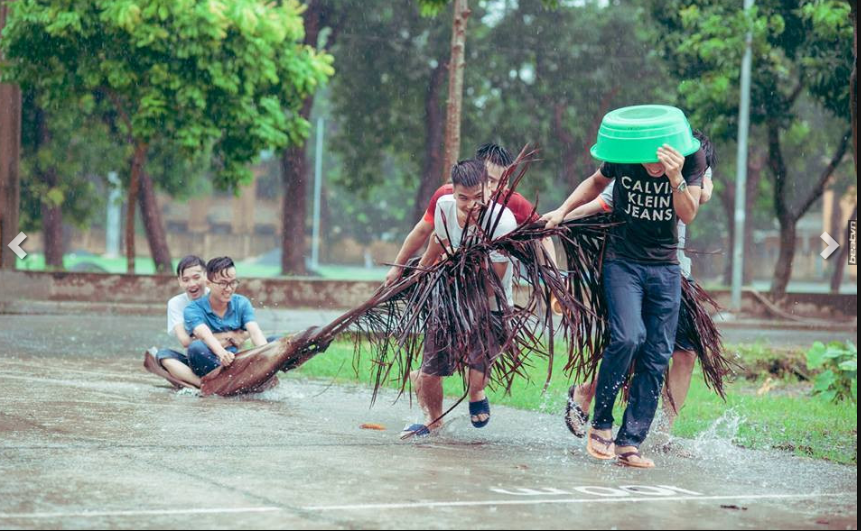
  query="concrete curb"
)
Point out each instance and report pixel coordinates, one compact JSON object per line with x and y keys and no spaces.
{"x":25,"y":307}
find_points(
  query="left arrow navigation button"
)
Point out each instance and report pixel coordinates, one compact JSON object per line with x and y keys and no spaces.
{"x":15,"y":245}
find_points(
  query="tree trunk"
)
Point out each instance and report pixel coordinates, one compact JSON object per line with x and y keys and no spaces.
{"x":727,"y":199}
{"x":786,"y":214}
{"x":52,"y":214}
{"x":603,"y":109}
{"x":294,"y":167}
{"x":570,"y":169}
{"x":457,"y":64}
{"x":137,"y":167}
{"x":783,"y":269}
{"x":843,"y":257}
{"x":294,"y":175}
{"x":433,"y":163}
{"x":155,"y":234}
{"x":754,"y":176}
{"x":751,"y":266}
{"x":777,"y":165}
{"x":325,"y":224}
{"x":853,"y":83}
{"x":10,"y":152}
{"x":52,"y":228}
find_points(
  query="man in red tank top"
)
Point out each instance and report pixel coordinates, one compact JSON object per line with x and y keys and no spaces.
{"x":496,"y":159}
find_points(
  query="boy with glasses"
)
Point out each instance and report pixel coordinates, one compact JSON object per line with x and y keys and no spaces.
{"x":222,"y":311}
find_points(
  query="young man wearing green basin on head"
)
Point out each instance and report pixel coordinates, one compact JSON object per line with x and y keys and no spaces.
{"x":656,"y":186}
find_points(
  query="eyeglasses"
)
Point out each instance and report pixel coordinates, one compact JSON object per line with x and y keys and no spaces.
{"x":233,"y":284}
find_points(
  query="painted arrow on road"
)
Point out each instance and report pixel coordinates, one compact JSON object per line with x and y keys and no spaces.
{"x":15,"y":245}
{"x":832,"y":246}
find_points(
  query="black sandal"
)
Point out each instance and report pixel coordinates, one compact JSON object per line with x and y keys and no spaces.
{"x":575,"y":418}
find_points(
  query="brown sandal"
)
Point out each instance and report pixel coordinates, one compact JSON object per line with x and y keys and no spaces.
{"x":624,"y":459}
{"x":597,"y":438}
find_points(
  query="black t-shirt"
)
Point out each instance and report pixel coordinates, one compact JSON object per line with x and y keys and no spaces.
{"x":645,"y":203}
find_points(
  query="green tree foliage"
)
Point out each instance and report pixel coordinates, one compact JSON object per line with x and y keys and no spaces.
{"x":548,"y":75}
{"x":802,"y":61}
{"x":229,"y":77}
{"x":435,"y":7}
{"x":380,"y":93}
{"x":201,"y":72}
{"x":534,"y":74}
{"x":80,"y":151}
{"x":798,"y":47}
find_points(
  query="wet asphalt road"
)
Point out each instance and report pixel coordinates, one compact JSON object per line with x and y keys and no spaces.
{"x":89,"y":440}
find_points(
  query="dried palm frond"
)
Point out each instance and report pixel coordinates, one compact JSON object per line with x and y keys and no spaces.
{"x":461,"y":303}
{"x":455,"y":301}
{"x":699,"y":329}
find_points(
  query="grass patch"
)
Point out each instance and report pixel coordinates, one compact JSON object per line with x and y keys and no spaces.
{"x":786,"y":417}
{"x":762,"y":360}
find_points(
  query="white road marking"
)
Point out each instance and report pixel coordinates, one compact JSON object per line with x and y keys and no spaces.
{"x":421,"y":505}
{"x":431,"y":505}
{"x":173,"y":512}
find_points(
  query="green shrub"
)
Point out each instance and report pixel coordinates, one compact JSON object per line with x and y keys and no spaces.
{"x":839,"y":377}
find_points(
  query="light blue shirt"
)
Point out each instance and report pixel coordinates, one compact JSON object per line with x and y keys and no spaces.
{"x":239,"y":313}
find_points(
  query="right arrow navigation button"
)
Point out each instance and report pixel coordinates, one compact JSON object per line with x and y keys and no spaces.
{"x":832,"y":246}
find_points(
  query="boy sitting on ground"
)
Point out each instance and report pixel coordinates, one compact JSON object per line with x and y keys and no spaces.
{"x":191,"y":276}
{"x":223,"y":311}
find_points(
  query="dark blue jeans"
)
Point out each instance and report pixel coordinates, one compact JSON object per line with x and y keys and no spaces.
{"x":643,"y":306}
{"x":203,"y":361}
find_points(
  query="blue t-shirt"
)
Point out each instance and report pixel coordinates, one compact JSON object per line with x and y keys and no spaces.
{"x":239,"y":313}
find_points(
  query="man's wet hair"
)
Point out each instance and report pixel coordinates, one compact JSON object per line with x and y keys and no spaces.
{"x":217,"y":265}
{"x":189,"y":262}
{"x":708,"y":148}
{"x":468,"y":173}
{"x":495,"y":154}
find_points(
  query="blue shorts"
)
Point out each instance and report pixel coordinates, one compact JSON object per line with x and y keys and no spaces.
{"x":440,"y":360}
{"x":686,"y":332}
{"x":684,"y":339}
{"x":168,"y":354}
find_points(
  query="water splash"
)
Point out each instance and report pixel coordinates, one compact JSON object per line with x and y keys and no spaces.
{"x":722,"y":434}
{"x":717,"y":448}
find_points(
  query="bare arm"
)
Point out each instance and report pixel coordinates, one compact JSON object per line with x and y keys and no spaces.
{"x":182,"y":335}
{"x":708,"y":190}
{"x":587,"y":191}
{"x":257,"y":337}
{"x":233,"y":339}
{"x":550,"y":247}
{"x":499,"y":268}
{"x":687,"y":202}
{"x":225,"y":339}
{"x":203,"y":333}
{"x":589,"y":209}
{"x":432,"y":254}
{"x":414,"y":242}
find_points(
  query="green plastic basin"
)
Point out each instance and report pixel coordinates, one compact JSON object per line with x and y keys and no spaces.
{"x":632,"y":135}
